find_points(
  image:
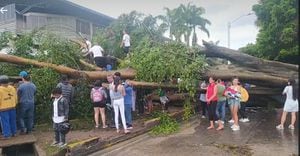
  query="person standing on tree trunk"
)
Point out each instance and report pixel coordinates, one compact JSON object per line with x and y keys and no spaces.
{"x":8,"y":102}
{"x":125,"y":44}
{"x":290,"y":105}
{"x":26,"y":95}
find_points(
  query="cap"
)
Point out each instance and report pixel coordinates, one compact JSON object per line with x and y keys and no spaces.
{"x":23,"y":73}
{"x":3,"y":79}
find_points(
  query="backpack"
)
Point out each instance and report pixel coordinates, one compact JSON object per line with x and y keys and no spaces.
{"x":97,"y":95}
{"x":244,"y":95}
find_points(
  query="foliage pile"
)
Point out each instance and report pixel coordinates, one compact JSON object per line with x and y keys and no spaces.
{"x":47,"y":47}
{"x":167,"y":125}
{"x":278,"y":35}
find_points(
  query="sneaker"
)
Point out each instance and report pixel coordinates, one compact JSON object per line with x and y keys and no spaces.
{"x":231,"y":121}
{"x":130,"y":127}
{"x":55,"y":143}
{"x":62,"y":145}
{"x":231,"y":126}
{"x":246,"y":120}
{"x":280,"y":127}
{"x":203,"y":117}
{"x":291,"y":127}
{"x":242,"y":120}
{"x":105,"y":127}
{"x":236,"y":128}
{"x":223,"y":122}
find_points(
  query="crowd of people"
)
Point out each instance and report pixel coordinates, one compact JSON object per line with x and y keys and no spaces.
{"x":113,"y":103}
{"x":17,"y":105}
{"x":216,"y":95}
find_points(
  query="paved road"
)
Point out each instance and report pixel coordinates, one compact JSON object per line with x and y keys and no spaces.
{"x":258,"y":137}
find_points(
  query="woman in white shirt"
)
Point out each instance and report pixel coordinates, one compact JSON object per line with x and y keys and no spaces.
{"x":290,"y":105}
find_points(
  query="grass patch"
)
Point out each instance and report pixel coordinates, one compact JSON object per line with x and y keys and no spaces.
{"x":166,"y":126}
{"x":235,"y":150}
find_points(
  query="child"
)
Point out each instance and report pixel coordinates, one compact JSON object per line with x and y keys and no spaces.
{"x":149,"y":99}
{"x":59,"y":117}
{"x":163,"y":99}
{"x":98,"y":97}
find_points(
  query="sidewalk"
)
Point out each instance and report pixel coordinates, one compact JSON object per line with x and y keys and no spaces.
{"x":88,"y":141}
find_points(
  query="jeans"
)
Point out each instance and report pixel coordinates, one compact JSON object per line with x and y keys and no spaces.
{"x":8,"y":122}
{"x":212,"y":111}
{"x":119,"y":105}
{"x":128,"y":116}
{"x":220,"y":112}
{"x":26,"y":117}
{"x":58,"y":136}
{"x":242,"y":110}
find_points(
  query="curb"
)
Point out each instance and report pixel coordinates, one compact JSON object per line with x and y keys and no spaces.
{"x":92,"y":145}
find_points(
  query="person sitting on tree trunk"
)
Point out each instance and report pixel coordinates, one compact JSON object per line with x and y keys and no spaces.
{"x":97,"y":52}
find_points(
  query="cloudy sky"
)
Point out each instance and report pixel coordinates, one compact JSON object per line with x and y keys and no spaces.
{"x":219,"y":12}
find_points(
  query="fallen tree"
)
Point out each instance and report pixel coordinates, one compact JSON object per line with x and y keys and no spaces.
{"x":92,"y":75}
{"x":251,"y":63}
{"x":248,"y":68}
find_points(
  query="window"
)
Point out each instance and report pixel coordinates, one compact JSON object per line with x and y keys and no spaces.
{"x":83,"y":27}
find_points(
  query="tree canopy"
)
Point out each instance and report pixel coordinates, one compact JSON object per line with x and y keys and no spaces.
{"x":278,"y":31}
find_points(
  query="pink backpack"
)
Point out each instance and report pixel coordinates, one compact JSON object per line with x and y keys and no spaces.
{"x":97,"y":95}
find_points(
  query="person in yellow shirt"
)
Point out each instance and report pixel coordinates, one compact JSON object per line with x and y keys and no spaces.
{"x":8,"y":101}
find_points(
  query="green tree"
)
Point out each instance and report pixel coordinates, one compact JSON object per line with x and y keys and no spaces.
{"x":278,"y":34}
{"x":183,"y":21}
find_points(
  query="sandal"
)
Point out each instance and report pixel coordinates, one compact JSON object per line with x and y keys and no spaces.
{"x":210,"y":127}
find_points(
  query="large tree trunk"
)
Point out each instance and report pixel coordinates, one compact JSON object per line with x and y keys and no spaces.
{"x":226,"y":74}
{"x":250,"y":63}
{"x":92,"y":75}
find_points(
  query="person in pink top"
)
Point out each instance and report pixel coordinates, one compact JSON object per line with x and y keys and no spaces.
{"x":211,"y":96}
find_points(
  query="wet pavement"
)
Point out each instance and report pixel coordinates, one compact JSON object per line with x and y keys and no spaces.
{"x":257,"y":137}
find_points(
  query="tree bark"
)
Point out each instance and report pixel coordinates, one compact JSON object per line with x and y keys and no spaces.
{"x":258,"y":78}
{"x":91,"y":66}
{"x":252,"y":63}
{"x":92,"y":75}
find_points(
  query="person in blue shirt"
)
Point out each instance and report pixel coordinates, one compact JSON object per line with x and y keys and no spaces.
{"x":128,"y":103}
{"x":26,"y":98}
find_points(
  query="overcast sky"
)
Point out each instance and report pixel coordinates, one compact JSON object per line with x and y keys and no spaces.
{"x":219,"y":12}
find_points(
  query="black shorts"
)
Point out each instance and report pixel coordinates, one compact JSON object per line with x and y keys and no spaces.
{"x":99,"y":104}
{"x":126,"y":49}
{"x":100,"y":62}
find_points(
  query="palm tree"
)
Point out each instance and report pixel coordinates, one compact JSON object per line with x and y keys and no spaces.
{"x":168,"y":22}
{"x":184,"y":21}
{"x":194,"y":19}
